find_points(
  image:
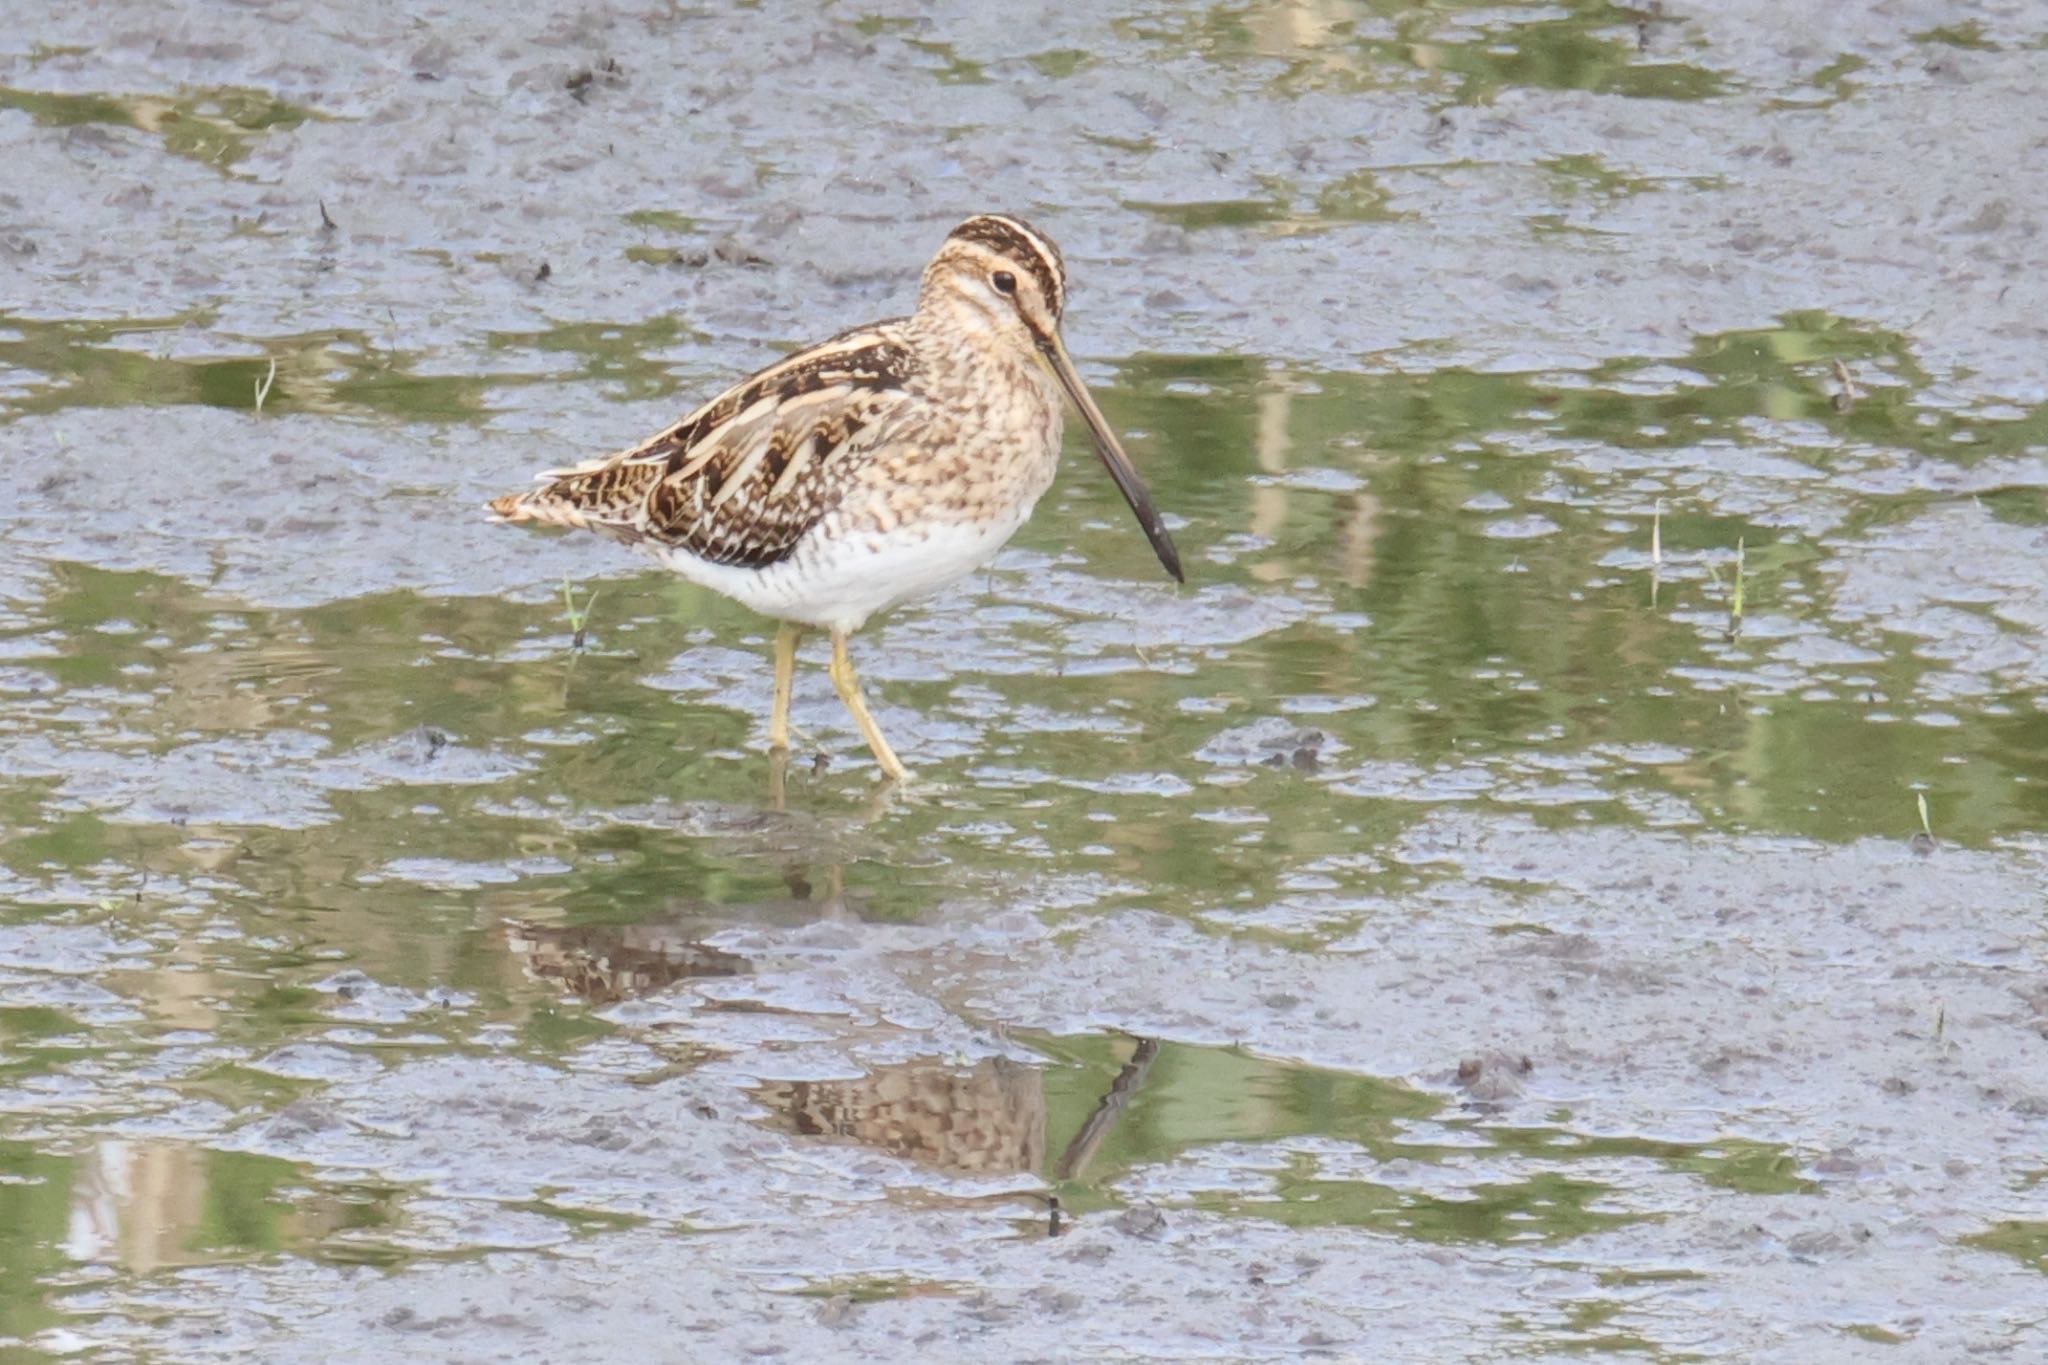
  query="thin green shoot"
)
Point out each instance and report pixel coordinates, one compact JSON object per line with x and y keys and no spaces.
{"x":579,"y":617}
{"x":1656,"y":550}
{"x":1735,"y":610}
{"x":1924,"y":842}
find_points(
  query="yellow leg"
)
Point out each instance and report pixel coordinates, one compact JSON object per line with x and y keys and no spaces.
{"x":849,"y":692}
{"x":785,"y":678}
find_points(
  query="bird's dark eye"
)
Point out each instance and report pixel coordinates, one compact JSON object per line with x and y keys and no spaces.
{"x":1004,"y":281}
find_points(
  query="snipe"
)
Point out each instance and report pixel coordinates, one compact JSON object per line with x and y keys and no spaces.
{"x":869,"y":469}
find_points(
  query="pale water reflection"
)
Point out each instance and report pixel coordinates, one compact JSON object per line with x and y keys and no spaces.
{"x":142,"y":1206}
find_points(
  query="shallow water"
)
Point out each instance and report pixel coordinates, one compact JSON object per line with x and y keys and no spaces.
{"x":1480,"y":915}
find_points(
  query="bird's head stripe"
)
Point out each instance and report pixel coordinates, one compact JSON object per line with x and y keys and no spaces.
{"x":1020,"y":242}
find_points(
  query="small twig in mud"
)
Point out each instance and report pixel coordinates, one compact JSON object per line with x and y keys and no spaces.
{"x":264,"y":385}
{"x":1653,"y":12}
{"x":578,"y":618}
{"x":327,"y":224}
{"x":1845,"y":397}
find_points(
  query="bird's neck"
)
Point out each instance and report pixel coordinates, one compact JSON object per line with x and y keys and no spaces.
{"x":955,"y":334}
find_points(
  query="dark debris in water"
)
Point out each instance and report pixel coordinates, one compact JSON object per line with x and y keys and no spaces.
{"x":1495,"y":1077}
{"x":1273,"y":743}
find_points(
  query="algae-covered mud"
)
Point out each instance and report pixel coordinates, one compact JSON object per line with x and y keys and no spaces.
{"x":1565,"y":876}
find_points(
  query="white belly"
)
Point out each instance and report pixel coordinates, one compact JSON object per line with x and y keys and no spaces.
{"x":835,"y":581}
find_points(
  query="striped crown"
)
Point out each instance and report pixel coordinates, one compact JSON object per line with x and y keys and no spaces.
{"x":1016,"y":240}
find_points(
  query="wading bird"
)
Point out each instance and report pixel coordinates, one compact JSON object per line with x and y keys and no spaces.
{"x":869,"y":469}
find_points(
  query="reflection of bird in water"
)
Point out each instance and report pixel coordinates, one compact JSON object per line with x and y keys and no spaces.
{"x":607,"y":963}
{"x":870,"y":469}
{"x":987,"y":1118}
{"x":1130,"y":1078}
{"x":619,"y":962}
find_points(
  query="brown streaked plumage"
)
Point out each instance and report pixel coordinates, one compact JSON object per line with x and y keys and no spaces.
{"x":868,"y":469}
{"x":740,"y":480}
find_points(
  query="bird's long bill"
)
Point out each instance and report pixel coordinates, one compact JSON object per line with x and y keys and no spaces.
{"x":1113,"y":457}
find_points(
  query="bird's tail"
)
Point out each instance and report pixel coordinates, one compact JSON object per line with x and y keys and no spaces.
{"x":600,"y":495}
